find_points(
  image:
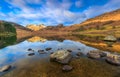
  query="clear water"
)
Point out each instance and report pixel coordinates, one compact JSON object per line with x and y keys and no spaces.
{"x":17,"y":56}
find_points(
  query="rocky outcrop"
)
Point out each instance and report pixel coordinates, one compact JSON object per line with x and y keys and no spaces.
{"x":36,"y":27}
{"x":61,"y":56}
{"x":110,"y":38}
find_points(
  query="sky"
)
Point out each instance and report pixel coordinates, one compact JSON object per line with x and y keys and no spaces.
{"x":53,"y":12}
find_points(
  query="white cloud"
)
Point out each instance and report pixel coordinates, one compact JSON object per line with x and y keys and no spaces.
{"x":97,"y":10}
{"x":53,"y":11}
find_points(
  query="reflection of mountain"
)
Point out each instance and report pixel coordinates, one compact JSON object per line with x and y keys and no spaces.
{"x":6,"y":41}
{"x":36,"y":39}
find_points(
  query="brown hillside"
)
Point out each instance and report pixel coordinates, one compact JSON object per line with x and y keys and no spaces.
{"x":110,"y":16}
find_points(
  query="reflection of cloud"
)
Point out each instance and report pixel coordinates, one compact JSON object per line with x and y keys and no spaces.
{"x":36,"y":39}
{"x":15,"y":52}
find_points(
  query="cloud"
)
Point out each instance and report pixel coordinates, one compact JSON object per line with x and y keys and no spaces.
{"x":52,"y":12}
{"x":97,"y":10}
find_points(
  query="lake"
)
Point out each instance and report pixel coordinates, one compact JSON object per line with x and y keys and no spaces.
{"x":39,"y":65}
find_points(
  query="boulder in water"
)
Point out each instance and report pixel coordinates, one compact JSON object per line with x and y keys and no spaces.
{"x":96,"y":54}
{"x":61,"y":56}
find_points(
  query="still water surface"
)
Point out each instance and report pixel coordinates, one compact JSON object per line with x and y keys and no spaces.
{"x":17,"y":56}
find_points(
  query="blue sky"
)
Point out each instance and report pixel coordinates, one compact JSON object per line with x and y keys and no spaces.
{"x":53,"y":12}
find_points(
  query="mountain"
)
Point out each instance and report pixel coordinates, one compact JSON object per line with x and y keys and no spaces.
{"x":35,"y":27}
{"x":107,"y":23}
{"x":110,"y":16}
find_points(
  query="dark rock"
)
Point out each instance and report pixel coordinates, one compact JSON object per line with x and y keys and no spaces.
{"x":113,"y":59}
{"x":30,"y":49}
{"x":61,"y":56}
{"x":41,"y":51}
{"x":79,"y":54}
{"x":47,"y":49}
{"x":79,"y":49}
{"x":31,"y":54}
{"x":69,"y":50}
{"x":103,"y":54}
{"x":5,"y":68}
{"x":51,"y":52}
{"x":67,"y":68}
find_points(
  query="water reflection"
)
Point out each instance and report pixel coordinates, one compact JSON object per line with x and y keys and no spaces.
{"x":13,"y":53}
{"x":37,"y":39}
{"x":17,"y":55}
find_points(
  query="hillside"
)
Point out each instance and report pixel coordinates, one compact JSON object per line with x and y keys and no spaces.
{"x":108,"y":23}
{"x":19,"y":30}
{"x":110,"y":16}
{"x":7,"y":29}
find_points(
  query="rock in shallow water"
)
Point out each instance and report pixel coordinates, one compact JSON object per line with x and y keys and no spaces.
{"x":41,"y":51}
{"x":96,"y":54}
{"x":61,"y":56}
{"x":69,"y":50}
{"x":47,"y":49}
{"x":79,"y":54}
{"x":5,"y":68}
{"x":30,"y":49}
{"x":67,"y":68}
{"x":31,"y":54}
{"x":113,"y":59}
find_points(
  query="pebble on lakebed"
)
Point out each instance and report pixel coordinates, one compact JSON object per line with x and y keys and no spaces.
{"x":67,"y":68}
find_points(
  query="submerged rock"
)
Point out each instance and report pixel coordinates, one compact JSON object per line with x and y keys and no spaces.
{"x":41,"y":51}
{"x":47,"y":49}
{"x":5,"y":68}
{"x":79,"y":49}
{"x":79,"y":54}
{"x":61,"y":56}
{"x":31,"y":54}
{"x":96,"y":54}
{"x":113,"y":59}
{"x":110,"y":38}
{"x":30,"y":49}
{"x":69,"y":50}
{"x":67,"y":68}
